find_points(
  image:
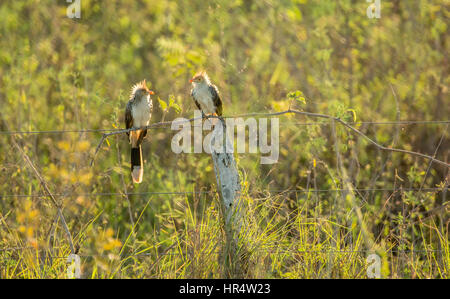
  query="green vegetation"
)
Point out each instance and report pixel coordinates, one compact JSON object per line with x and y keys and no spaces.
{"x":327,"y":57}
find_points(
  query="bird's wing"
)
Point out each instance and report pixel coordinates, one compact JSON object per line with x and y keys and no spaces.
{"x":216,"y":99}
{"x":150,"y":116}
{"x":195,"y":101}
{"x":128,"y":117}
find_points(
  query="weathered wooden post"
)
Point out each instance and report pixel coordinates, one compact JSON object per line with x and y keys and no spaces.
{"x":229,"y":186}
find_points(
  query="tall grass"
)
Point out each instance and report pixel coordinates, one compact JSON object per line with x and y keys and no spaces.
{"x":274,"y":242}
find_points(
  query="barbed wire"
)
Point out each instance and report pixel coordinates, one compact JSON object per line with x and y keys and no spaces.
{"x":329,"y":119}
{"x":401,"y":122}
{"x":281,"y":191}
{"x":333,"y":119}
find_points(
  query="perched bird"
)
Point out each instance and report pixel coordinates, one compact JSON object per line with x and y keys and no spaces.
{"x":205,"y":95}
{"x":137,"y":114}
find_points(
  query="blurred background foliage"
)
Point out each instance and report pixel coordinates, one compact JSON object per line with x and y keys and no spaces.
{"x":67,"y":74}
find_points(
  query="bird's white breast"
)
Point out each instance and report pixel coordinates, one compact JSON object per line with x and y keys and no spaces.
{"x":203,"y":96}
{"x":141,"y":113}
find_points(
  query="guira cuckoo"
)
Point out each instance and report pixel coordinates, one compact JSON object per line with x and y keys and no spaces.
{"x":205,"y":94}
{"x":137,"y":114}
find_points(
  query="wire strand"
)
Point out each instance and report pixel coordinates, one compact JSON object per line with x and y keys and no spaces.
{"x":210,"y":192}
{"x":402,"y":122}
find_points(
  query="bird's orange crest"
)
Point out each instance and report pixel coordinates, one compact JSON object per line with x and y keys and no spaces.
{"x":138,"y":86}
{"x":201,"y":74}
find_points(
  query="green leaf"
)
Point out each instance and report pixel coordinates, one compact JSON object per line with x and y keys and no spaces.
{"x":297,"y":95}
{"x":353,"y":114}
{"x":162,"y":104}
{"x":176,"y":107}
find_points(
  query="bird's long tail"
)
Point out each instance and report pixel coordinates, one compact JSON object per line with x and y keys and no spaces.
{"x":137,"y":165}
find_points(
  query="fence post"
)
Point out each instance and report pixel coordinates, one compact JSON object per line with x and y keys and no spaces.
{"x":229,"y":187}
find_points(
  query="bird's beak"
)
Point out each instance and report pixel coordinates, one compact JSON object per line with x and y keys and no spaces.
{"x":191,"y":80}
{"x":151,"y":92}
